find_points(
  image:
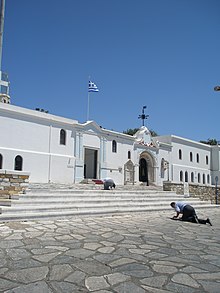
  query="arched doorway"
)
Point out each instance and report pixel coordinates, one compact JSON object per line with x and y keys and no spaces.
{"x":146,"y":168}
{"x":143,"y":171}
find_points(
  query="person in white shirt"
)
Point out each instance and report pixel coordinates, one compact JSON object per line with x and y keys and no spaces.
{"x":188,"y":213}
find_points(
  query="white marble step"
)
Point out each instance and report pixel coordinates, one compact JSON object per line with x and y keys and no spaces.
{"x":57,"y":202}
{"x":28,"y":215}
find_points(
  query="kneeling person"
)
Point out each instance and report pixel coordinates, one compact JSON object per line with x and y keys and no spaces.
{"x":108,"y":183}
{"x":188,"y":213}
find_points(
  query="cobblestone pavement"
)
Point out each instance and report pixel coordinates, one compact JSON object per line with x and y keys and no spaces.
{"x":122,"y":253}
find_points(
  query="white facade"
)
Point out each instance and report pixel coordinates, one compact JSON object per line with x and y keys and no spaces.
{"x":60,"y":150}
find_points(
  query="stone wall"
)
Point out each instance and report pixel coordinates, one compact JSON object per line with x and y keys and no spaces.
{"x":204,"y":192}
{"x":13,"y":182}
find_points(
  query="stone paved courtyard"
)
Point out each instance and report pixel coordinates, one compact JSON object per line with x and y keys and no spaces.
{"x":144,"y":252}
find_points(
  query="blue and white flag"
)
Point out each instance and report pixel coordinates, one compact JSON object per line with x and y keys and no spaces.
{"x":92,"y":87}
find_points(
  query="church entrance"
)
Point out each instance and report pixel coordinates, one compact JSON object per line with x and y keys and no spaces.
{"x":90,"y":163}
{"x":143,"y":171}
{"x":146,"y":168}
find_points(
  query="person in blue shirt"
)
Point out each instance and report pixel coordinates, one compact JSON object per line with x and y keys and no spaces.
{"x":188,"y":213}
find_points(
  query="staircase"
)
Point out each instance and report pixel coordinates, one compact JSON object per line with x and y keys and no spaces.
{"x":60,"y":201}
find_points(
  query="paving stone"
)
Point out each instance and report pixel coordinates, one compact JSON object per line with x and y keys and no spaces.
{"x":165,"y":269}
{"x":139,"y":251}
{"x":38,"y":287}
{"x":66,"y":287}
{"x":17,"y":253}
{"x":207,"y":276}
{"x":28,"y":275}
{"x":128,"y":287}
{"x":185,"y":279}
{"x":92,"y":246}
{"x":7,"y":284}
{"x":46,"y":257}
{"x":93,"y":268}
{"x":11,"y":243}
{"x":77,"y":277}
{"x":135,"y":270}
{"x":154,"y":290}
{"x":158,"y":281}
{"x":79,"y":253}
{"x":121,"y":261}
{"x":174,"y":287}
{"x":59,"y":272}
{"x":211,"y":287}
{"x":116,"y":278}
{"x":106,"y":249}
{"x":96,"y":283}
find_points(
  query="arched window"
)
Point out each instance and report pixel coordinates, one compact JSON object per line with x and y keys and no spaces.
{"x":18,"y":163}
{"x":208,"y":179}
{"x":197,"y":158}
{"x":207,"y":160}
{"x":1,"y":159}
{"x":114,"y":146}
{"x":191,"y":156}
{"x":203,"y":178}
{"x":181,"y":176}
{"x":129,"y":155}
{"x":199,"y":178}
{"x":62,"y":137}
{"x":192,"y":177}
{"x":180,"y":154}
{"x":186,"y":176}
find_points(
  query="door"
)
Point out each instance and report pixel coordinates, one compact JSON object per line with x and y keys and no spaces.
{"x":90,"y":164}
{"x":143,"y":171}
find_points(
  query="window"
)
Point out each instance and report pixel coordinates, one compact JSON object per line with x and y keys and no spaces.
{"x":203,"y":178}
{"x":208,"y":179}
{"x":192,"y":177}
{"x":18,"y":163}
{"x":4,"y":89}
{"x":186,"y":176}
{"x":114,"y":146}
{"x":1,"y":159}
{"x":207,"y":160}
{"x":180,"y":154}
{"x":181,"y":176}
{"x":197,"y":158}
{"x":191,"y":156}
{"x":62,"y":137}
{"x":129,"y":155}
{"x":199,"y":179}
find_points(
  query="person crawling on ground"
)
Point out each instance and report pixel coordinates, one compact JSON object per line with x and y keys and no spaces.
{"x":188,"y":213}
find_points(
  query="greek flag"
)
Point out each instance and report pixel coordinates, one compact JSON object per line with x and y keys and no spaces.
{"x":92,"y":87}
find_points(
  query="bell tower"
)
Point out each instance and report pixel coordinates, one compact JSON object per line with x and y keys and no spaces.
{"x":4,"y":82}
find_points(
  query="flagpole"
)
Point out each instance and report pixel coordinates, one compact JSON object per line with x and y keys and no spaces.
{"x":88,"y":107}
{"x":92,"y":87}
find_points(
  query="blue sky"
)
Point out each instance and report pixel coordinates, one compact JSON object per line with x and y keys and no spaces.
{"x":164,"y":54}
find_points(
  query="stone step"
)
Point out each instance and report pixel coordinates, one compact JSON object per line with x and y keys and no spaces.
{"x":111,"y":211}
{"x":94,"y":192}
{"x":99,"y":200}
{"x":87,"y":205}
{"x":46,"y":203}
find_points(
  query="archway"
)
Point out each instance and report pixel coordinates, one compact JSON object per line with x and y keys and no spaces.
{"x":143,"y":171}
{"x":146,"y":168}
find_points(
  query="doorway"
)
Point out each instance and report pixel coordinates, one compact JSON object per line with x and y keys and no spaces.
{"x":143,"y":171}
{"x":90,"y":163}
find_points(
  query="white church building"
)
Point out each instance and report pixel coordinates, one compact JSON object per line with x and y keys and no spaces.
{"x":55,"y":149}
